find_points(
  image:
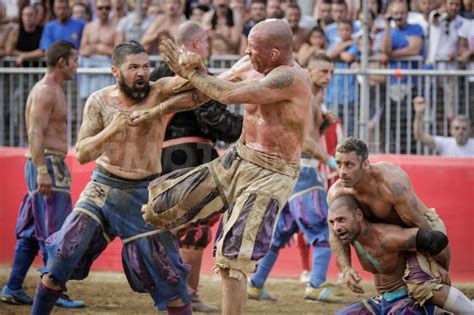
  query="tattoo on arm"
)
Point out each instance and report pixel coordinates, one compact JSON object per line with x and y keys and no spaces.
{"x":398,"y":189}
{"x":281,"y":79}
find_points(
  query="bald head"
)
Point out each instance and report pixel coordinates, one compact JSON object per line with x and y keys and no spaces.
{"x":346,"y":202}
{"x":274,"y":33}
{"x":187,"y":31}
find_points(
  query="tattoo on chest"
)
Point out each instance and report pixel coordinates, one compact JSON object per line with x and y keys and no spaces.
{"x":398,"y":189}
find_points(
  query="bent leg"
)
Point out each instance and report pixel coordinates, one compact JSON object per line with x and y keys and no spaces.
{"x":234,"y":288}
{"x":152,"y":265}
{"x":452,"y":300}
{"x":71,"y":252}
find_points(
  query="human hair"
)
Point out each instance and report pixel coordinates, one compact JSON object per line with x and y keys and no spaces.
{"x":293,"y":6}
{"x":60,"y":49}
{"x":326,"y":2}
{"x":345,"y":21}
{"x":346,"y":201}
{"x":120,"y":53}
{"x":340,"y":2}
{"x":264,"y":2}
{"x":463,"y":118}
{"x":319,"y":57}
{"x":187,"y":31}
{"x":352,"y":144}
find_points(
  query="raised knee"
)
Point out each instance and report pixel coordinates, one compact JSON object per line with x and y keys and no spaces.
{"x":49,"y":282}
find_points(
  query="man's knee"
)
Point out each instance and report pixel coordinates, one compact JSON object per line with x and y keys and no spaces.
{"x":50,"y":282}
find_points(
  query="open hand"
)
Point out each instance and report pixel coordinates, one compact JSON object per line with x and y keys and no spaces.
{"x":181,"y":62}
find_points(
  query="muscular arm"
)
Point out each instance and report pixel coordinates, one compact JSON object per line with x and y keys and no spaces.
{"x":38,"y":119}
{"x":178,"y":103}
{"x":276,"y":86}
{"x":92,"y":136}
{"x":313,"y":148}
{"x":405,"y":201}
{"x":397,"y":239}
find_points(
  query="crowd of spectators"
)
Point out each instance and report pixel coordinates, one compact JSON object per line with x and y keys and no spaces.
{"x":434,"y":34}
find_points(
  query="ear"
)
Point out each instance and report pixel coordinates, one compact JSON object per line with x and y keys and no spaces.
{"x":359,"y":215}
{"x":365,"y":164}
{"x":275,"y":54}
{"x":115,"y":72}
{"x":62,"y":62}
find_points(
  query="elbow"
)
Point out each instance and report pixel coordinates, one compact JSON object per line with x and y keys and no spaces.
{"x":81,"y":156}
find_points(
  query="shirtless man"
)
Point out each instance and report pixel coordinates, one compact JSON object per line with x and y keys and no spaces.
{"x":97,"y":44}
{"x":385,"y":250}
{"x":306,"y":210}
{"x":98,"y":35}
{"x":386,"y":195}
{"x":48,"y":201}
{"x":127,"y":158}
{"x":251,"y":181}
{"x":169,"y":21}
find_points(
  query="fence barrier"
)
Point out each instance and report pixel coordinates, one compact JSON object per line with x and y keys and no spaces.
{"x":391,"y":90}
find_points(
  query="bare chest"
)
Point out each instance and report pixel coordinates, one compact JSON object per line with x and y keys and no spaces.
{"x":378,"y":209}
{"x":375,"y":259}
{"x":103,"y":34}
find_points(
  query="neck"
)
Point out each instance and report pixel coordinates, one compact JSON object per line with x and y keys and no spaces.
{"x":29,"y":28}
{"x":104,"y":21}
{"x":366,"y":235}
{"x":316,"y":89}
{"x":54,"y":76}
{"x":365,"y":183}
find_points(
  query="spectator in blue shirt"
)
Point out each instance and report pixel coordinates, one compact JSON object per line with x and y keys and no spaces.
{"x":401,"y":41}
{"x":339,"y":11}
{"x":63,"y":28}
{"x":341,"y":90}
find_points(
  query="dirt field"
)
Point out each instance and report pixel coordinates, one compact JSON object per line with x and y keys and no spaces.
{"x":108,"y":293}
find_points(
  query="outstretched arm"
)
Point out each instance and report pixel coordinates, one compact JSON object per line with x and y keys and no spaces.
{"x":278,"y":85}
{"x":178,"y":103}
{"x":343,"y":254}
{"x":420,"y":134}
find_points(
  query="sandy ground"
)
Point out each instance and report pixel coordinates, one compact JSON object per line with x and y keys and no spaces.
{"x":109,"y":293}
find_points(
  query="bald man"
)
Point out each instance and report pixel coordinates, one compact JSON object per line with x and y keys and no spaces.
{"x":189,"y":142}
{"x":252,"y":180}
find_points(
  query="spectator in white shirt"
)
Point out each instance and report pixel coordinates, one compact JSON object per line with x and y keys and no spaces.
{"x":458,"y":145}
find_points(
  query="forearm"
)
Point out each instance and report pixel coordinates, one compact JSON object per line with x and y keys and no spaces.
{"x":340,"y":251}
{"x":181,"y":102}
{"x":420,"y":134}
{"x":90,"y":148}
{"x":387,"y":41}
{"x":405,"y":52}
{"x":36,"y":148}
{"x":313,"y":149}
{"x":37,"y":53}
{"x":220,"y":90}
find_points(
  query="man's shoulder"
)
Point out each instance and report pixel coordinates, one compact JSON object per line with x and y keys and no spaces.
{"x":414,"y":30}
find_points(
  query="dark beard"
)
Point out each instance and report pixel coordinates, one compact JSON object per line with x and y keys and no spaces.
{"x":133,"y":92}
